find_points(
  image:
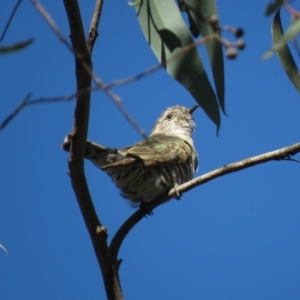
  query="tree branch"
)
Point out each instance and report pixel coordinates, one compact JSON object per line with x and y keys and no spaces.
{"x":93,"y":33}
{"x":12,"y":115}
{"x":100,"y":85}
{"x":98,"y":235}
{"x":9,"y":20}
{"x":86,"y":64}
{"x":280,"y":154}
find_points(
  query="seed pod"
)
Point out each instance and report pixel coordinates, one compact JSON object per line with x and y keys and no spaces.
{"x":240,"y":44}
{"x":239,"y":32}
{"x":231,"y":53}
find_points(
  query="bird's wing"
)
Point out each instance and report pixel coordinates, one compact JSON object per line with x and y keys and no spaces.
{"x":155,"y":150}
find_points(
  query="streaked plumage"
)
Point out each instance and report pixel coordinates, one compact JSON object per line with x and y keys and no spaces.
{"x":153,"y":166}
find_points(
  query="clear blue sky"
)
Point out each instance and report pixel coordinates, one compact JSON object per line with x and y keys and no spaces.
{"x":237,"y":237}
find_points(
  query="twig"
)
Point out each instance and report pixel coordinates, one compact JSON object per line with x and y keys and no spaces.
{"x":291,"y":10}
{"x":93,"y":33}
{"x":189,"y":47}
{"x":280,"y":154}
{"x":114,"y":83}
{"x":136,"y":217}
{"x":9,"y":20}
{"x":116,"y":99}
{"x":15,"y":112}
{"x":28,"y":102}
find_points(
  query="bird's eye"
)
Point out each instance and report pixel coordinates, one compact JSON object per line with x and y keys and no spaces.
{"x":169,"y":116}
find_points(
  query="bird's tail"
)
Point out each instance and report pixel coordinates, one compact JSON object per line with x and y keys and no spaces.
{"x":97,"y":154}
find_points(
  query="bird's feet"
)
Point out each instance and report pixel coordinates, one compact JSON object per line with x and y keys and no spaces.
{"x":177,"y":195}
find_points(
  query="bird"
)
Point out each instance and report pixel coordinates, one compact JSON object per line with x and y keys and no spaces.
{"x":155,"y":165}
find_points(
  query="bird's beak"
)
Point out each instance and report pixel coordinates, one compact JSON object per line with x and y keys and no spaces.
{"x":193,"y":108}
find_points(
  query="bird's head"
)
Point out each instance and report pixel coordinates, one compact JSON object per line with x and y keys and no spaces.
{"x":176,"y":120}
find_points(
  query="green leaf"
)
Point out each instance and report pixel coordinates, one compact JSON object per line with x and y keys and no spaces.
{"x":199,"y":12}
{"x":15,"y":47}
{"x":272,"y":7}
{"x":281,"y":41}
{"x":167,"y":34}
{"x":284,"y":53}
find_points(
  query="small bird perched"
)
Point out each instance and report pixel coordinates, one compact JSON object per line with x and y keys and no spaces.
{"x":154,"y":166}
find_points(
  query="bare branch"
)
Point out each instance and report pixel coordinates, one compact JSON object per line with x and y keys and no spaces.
{"x":280,"y":154}
{"x":136,"y":217}
{"x":93,"y":33}
{"x":41,"y":100}
{"x":294,"y":13}
{"x":15,"y":112}
{"x":99,"y":84}
{"x":107,"y":87}
{"x":9,"y":20}
{"x":54,"y":27}
{"x":116,"y":99}
{"x":109,"y":267}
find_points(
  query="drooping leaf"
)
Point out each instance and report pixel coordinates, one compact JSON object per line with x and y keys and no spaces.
{"x":193,"y":27}
{"x":15,"y":47}
{"x":272,"y":7}
{"x":284,"y":54}
{"x":167,"y":35}
{"x":282,"y":41}
{"x":199,"y":12}
{"x":170,"y":39}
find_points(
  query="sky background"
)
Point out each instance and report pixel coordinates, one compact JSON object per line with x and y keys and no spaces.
{"x":237,"y":237}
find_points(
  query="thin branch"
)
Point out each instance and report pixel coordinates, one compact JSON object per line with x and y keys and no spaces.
{"x":152,"y":69}
{"x":116,"y":99}
{"x":99,"y":84}
{"x":41,"y":100}
{"x":26,"y":102}
{"x":9,"y":20}
{"x":15,"y":112}
{"x":112,"y":84}
{"x":136,"y":217}
{"x":93,"y":33}
{"x":280,"y":154}
{"x":294,"y":13}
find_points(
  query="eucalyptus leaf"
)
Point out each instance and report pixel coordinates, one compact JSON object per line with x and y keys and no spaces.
{"x":167,"y":34}
{"x":284,"y":53}
{"x":15,"y":47}
{"x":199,"y":12}
{"x":272,"y":7}
{"x":281,"y":42}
